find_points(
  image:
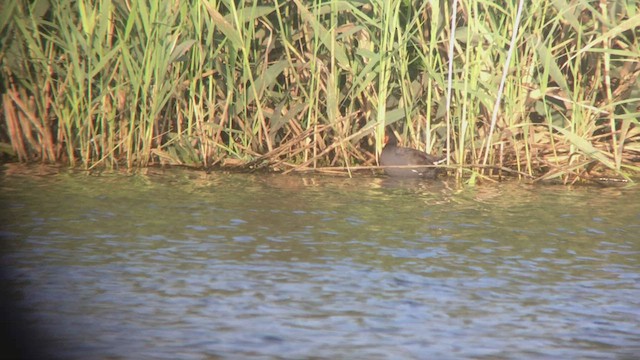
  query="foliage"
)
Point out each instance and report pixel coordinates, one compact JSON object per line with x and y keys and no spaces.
{"x":293,"y":85}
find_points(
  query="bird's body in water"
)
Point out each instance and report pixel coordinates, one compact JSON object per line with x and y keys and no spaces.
{"x":394,"y":155}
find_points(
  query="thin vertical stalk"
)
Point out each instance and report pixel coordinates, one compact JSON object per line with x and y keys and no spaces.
{"x":452,"y":28}
{"x":505,"y":71}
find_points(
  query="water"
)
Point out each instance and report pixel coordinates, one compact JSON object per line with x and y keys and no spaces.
{"x":183,"y":265}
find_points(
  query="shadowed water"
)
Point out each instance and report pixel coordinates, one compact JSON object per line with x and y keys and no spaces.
{"x":183,"y":265}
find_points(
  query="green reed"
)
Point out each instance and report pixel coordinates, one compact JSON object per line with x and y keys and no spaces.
{"x":296,"y":85}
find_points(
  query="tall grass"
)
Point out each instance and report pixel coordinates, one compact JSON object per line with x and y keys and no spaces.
{"x":297,"y":85}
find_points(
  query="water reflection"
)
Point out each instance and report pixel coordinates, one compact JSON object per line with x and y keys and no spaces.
{"x":177,"y":264}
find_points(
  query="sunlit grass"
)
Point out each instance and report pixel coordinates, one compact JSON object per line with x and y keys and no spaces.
{"x":299,"y":85}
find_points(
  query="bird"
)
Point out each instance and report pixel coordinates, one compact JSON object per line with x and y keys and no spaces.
{"x":394,"y":155}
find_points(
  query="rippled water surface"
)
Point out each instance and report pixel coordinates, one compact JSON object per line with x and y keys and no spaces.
{"x":183,"y":265}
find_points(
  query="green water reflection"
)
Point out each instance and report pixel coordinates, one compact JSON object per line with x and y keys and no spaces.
{"x":253,"y":266}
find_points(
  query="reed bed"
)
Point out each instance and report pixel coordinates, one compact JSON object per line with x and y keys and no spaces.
{"x":540,"y":90}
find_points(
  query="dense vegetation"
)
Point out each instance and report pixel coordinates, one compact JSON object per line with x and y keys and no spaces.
{"x":542,"y":89}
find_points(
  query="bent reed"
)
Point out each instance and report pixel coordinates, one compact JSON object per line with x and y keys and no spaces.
{"x":541,"y":90}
